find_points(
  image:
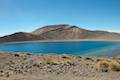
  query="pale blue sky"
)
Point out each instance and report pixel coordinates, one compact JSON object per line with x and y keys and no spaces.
{"x":28,"y":15}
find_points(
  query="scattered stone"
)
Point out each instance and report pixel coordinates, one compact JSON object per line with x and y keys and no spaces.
{"x":52,"y":64}
{"x":16,"y":55}
{"x":89,"y":59}
{"x":65,"y":57}
{"x":28,"y":53}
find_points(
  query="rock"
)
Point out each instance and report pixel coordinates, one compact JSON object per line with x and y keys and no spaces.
{"x":89,"y":59}
{"x":28,"y":53}
{"x":16,"y":55}
{"x":66,"y":57}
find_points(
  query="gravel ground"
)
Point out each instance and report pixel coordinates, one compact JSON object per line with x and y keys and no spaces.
{"x":27,"y":66}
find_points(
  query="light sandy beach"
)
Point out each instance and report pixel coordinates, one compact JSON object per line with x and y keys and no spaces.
{"x":73,"y":40}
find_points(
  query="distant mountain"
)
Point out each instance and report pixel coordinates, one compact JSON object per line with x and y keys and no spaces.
{"x":60,"y":32}
{"x":20,"y":36}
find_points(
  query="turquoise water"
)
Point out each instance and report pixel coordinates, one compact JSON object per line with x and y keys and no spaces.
{"x":85,"y":48}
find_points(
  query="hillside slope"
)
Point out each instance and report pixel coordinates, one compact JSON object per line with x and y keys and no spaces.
{"x":20,"y":36}
{"x":60,"y":32}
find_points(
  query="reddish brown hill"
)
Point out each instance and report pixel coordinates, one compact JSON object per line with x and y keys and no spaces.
{"x":61,"y":32}
{"x":69,"y":32}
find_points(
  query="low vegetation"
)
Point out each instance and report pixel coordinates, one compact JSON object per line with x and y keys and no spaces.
{"x":106,"y":65}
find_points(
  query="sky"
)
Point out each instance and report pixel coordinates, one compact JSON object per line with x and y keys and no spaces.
{"x":28,"y":15}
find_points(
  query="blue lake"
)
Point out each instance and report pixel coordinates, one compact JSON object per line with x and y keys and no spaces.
{"x":84,"y":48}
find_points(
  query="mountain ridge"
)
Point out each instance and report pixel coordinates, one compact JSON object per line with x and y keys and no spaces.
{"x":60,"y":32}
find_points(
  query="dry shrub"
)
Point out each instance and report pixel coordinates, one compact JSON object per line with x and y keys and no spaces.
{"x":102,"y":66}
{"x":104,"y":59}
{"x":66,"y":62}
{"x":108,"y":65}
{"x":118,"y":61}
{"x":114,"y":66}
{"x":69,"y":62}
{"x":53,"y":62}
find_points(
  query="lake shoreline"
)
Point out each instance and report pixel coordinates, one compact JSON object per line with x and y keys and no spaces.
{"x":76,"y":40}
{"x":28,"y":66}
{"x":83,"y":48}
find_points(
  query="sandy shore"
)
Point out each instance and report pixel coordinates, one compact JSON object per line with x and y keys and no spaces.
{"x":73,"y":40}
{"x":27,"y":66}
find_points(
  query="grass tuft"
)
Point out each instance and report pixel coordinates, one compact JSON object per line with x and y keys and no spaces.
{"x":108,"y":65}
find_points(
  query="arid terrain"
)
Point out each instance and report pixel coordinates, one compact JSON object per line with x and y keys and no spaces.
{"x":61,"y":32}
{"x":27,"y":66}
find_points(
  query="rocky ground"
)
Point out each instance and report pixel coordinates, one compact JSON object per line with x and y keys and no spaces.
{"x":27,"y":66}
